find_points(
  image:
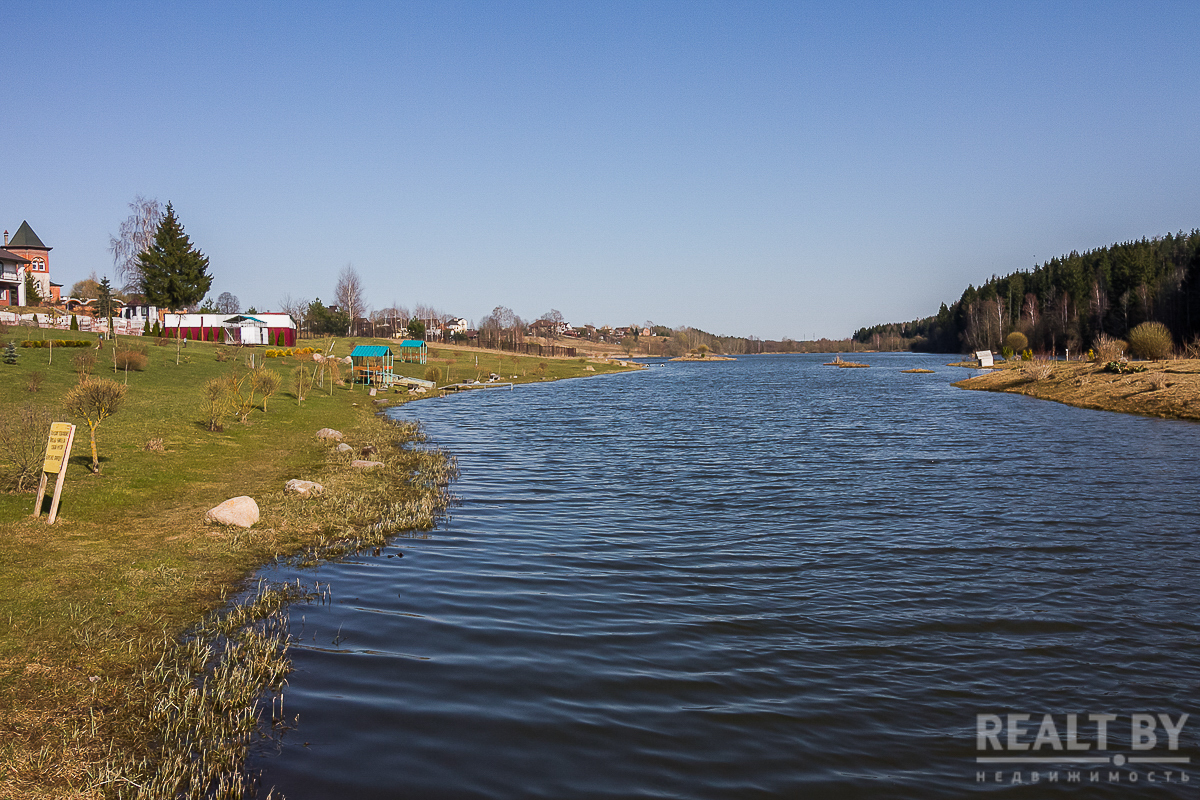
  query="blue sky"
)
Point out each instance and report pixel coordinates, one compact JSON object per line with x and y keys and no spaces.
{"x":768,"y":169}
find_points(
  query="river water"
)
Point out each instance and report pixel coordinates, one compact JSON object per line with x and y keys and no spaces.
{"x":765,"y":578}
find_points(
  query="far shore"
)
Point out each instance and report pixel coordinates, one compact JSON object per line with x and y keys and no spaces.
{"x":1168,"y":389}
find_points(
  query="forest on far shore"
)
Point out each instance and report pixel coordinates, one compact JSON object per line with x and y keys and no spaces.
{"x":1066,"y":302}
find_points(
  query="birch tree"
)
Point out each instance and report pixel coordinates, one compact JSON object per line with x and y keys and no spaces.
{"x":349,"y":295}
{"x":135,"y":236}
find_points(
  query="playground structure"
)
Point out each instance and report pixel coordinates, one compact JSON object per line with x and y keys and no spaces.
{"x":413,"y":351}
{"x":372,"y":364}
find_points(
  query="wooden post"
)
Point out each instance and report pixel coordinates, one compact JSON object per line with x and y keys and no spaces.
{"x":58,"y":451}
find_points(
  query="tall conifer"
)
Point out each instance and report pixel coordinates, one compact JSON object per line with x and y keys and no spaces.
{"x":174,"y":274}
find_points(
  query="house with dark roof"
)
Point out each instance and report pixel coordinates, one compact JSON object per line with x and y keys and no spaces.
{"x":12,"y":278}
{"x":26,"y":244}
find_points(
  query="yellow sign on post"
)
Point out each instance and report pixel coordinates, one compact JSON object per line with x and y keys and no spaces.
{"x":58,"y":450}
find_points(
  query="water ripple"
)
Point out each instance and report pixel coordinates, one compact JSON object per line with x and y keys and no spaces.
{"x":762,"y":578}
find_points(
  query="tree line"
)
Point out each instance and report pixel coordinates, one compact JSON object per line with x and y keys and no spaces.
{"x":1066,"y":302}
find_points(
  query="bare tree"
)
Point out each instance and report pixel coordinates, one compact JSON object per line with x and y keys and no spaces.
{"x":296,"y":309}
{"x":227,"y":303}
{"x":135,"y":236}
{"x":551,"y":324}
{"x":349,"y":295}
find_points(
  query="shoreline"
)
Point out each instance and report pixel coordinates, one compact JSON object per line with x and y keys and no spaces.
{"x":97,"y":613}
{"x":1165,"y":389}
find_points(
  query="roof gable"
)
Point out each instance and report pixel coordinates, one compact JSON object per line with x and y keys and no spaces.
{"x":25,"y":237}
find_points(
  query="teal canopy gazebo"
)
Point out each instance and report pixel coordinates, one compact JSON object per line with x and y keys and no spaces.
{"x":373,"y":364}
{"x":413,"y":351}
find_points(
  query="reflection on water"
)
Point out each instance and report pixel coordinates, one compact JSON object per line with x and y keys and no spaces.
{"x":762,"y":578}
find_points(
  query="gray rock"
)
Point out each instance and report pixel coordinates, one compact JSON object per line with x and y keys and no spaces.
{"x":360,"y":464}
{"x":343,"y":447}
{"x":303,"y":488}
{"x":241,"y":511}
{"x":329,"y":435}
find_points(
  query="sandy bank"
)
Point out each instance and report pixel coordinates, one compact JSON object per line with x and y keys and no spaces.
{"x":1166,"y":389}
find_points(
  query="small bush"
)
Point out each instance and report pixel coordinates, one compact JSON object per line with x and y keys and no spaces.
{"x":35,"y":381}
{"x":1117,"y":368}
{"x":1151,"y":341}
{"x":1038,"y":370}
{"x":217,"y":403}
{"x":1108,"y":349}
{"x":23,"y":435}
{"x":433,"y":374}
{"x":302,"y":381}
{"x":84,"y":363}
{"x":131,"y":359}
{"x":222,"y":354}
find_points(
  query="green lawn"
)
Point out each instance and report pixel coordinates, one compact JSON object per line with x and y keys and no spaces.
{"x":130,"y":560}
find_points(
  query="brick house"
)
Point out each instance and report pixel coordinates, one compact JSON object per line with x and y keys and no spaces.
{"x":26,"y":244}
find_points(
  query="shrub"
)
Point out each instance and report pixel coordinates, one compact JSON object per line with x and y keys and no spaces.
{"x":433,"y":374}
{"x":1118,"y":368}
{"x":302,"y":381}
{"x":216,"y":403}
{"x":1016,"y":341}
{"x":222,"y":354}
{"x":1151,"y":341}
{"x":266,"y":382}
{"x":1108,"y":349}
{"x":1038,"y":370}
{"x":74,"y":322}
{"x":131,"y":359}
{"x":10,"y":354}
{"x":23,"y":435}
{"x":35,"y":381}
{"x":84,"y":363}
{"x":1027,"y":354}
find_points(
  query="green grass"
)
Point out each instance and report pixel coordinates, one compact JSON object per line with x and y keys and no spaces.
{"x":130,"y":564}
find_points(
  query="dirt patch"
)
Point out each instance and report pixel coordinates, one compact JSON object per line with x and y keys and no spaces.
{"x":1167,"y":389}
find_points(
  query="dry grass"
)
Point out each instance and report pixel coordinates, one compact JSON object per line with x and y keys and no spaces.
{"x":1173,"y":392}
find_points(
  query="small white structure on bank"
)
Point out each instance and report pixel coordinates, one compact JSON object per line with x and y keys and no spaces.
{"x":277,"y":330}
{"x":985,"y":358}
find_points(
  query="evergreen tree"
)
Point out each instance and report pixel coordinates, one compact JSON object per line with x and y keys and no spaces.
{"x":10,"y":353}
{"x":174,"y":273}
{"x":74,"y":322}
{"x":104,"y":303}
{"x":33,"y":294}
{"x":146,"y":327}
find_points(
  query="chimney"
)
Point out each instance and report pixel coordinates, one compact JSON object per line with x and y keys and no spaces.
{"x":6,"y":238}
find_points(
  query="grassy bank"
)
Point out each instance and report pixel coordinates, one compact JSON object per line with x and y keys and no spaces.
{"x":92,"y":609}
{"x":1161,"y":389}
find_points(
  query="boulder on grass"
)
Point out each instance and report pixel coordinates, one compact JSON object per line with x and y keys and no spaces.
{"x":343,"y":447}
{"x":360,"y":464}
{"x":303,"y":488}
{"x":329,"y":435}
{"x":240,"y":511}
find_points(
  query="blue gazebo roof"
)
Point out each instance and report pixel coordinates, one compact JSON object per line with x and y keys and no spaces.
{"x":412,"y":343}
{"x":371,"y":350}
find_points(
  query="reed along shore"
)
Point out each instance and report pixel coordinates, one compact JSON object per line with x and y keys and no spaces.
{"x":135,"y":661}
